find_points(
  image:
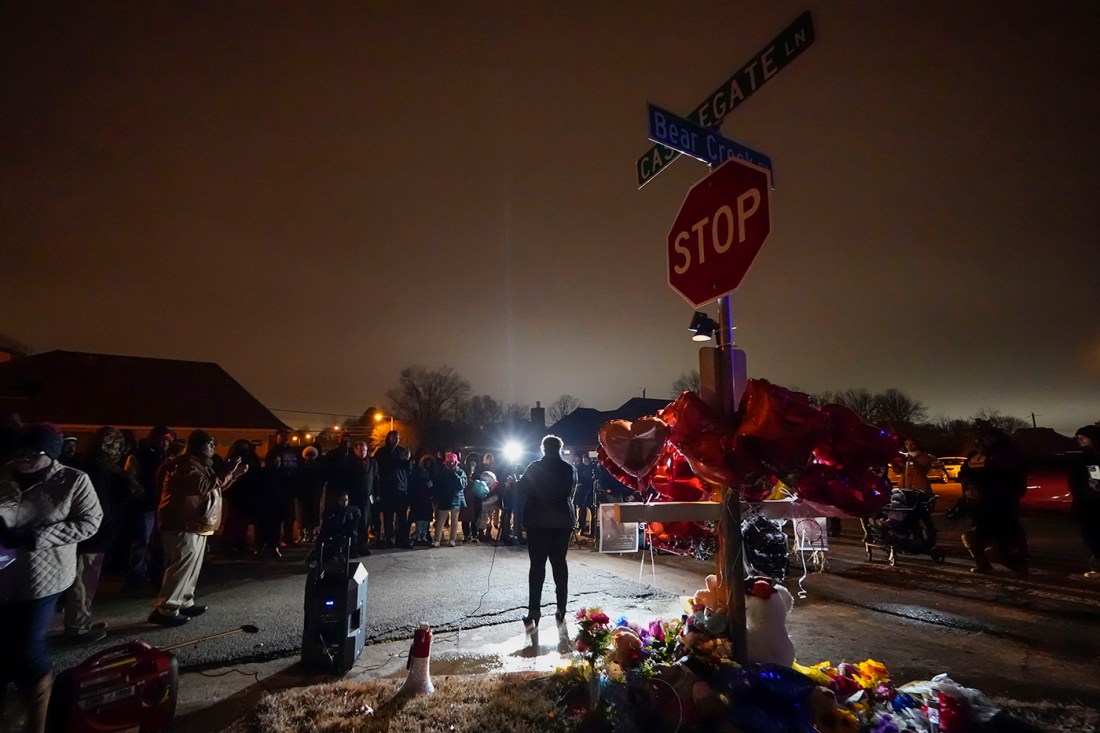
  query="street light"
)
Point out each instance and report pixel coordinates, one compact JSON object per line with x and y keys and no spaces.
{"x":703,"y":325}
{"x":379,"y":417}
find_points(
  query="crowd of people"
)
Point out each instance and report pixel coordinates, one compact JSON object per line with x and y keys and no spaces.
{"x":149,"y":509}
{"x":146,"y":509}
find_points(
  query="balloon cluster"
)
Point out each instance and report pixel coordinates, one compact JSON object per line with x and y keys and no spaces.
{"x":686,"y":452}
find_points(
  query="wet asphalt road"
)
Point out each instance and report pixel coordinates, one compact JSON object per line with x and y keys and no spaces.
{"x":1030,"y":638}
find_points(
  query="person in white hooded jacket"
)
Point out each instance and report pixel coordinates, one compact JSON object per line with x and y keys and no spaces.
{"x":46,"y":508}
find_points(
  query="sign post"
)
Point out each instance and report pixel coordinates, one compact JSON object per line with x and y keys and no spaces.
{"x":721,"y":226}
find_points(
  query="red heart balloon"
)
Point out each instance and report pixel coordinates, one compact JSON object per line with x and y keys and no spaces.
{"x":778,"y":426}
{"x":612,"y":468}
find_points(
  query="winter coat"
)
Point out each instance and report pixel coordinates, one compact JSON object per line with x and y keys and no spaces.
{"x":62,"y":509}
{"x":143,"y":466}
{"x":548,"y":484}
{"x":192,"y":498}
{"x":113,"y":488}
{"x":447,"y":490}
{"x":915,"y":474}
{"x":420,"y":495}
{"x":347,"y":472}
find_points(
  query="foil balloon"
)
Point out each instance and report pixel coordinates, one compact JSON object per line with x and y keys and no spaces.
{"x":778,"y":426}
{"x":612,"y":468}
{"x":859,"y":494}
{"x":751,"y":478}
{"x":852,"y":443}
{"x":700,"y":435}
{"x":635,"y":447}
{"x":674,"y":480}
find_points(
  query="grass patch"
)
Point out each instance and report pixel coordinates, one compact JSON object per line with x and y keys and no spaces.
{"x":506,"y":703}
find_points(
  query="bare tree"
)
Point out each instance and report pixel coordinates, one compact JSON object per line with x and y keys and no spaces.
{"x":516,"y":412}
{"x":428,"y":395}
{"x":561,"y":407}
{"x":1007,"y":423}
{"x":898,"y":410}
{"x":859,"y":401}
{"x":480,"y":410}
{"x":686,"y":382}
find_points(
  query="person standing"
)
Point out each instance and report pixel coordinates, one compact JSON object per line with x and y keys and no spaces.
{"x":113,"y":488}
{"x":46,"y":509}
{"x":189,"y":512}
{"x":143,"y":466}
{"x":244,"y":504}
{"x":284,"y":484}
{"x":448,"y":486}
{"x":420,"y":498}
{"x":917,"y":465}
{"x":586,"y":517}
{"x":1085,"y":488}
{"x":312,"y":483}
{"x":994,"y":479}
{"x":393,"y":482}
{"x":548,"y":485}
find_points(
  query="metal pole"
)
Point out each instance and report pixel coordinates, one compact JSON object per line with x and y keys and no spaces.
{"x":733,"y":566}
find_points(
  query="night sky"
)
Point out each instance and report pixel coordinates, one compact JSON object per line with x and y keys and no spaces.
{"x":316,"y":195}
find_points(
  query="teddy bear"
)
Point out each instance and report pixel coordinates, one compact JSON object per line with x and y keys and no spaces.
{"x":766,"y":607}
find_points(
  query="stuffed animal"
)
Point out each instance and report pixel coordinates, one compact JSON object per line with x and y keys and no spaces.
{"x":766,"y":609}
{"x":713,"y":596}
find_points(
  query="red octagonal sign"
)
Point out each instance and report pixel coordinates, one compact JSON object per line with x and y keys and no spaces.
{"x":720,"y":228}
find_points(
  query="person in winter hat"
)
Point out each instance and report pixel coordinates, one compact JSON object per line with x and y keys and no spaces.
{"x":46,"y":508}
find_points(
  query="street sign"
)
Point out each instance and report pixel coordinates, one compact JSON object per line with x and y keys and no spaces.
{"x":722,"y":224}
{"x":782,"y":50}
{"x":699,"y":142}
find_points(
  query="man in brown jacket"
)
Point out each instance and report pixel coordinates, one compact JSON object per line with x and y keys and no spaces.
{"x":189,"y":512}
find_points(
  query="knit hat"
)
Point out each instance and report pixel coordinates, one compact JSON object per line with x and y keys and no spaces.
{"x":197,"y":439}
{"x":159,"y":431}
{"x":1092,"y":432}
{"x":41,"y":438}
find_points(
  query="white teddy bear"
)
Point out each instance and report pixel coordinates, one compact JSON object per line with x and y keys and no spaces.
{"x":766,"y":609}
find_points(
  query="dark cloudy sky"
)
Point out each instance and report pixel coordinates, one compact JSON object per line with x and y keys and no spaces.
{"x":315,"y":195}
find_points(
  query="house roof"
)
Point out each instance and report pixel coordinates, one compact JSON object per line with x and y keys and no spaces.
{"x":581,"y":427}
{"x":76,"y":388}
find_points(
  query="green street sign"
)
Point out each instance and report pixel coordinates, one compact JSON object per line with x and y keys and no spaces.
{"x":782,"y":50}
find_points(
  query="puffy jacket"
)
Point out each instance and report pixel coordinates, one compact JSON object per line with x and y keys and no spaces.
{"x":192,"y":498}
{"x":61,"y":509}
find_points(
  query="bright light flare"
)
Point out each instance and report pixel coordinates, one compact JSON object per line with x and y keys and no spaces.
{"x":513,"y":451}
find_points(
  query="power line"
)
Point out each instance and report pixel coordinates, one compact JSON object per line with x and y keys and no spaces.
{"x":313,"y":412}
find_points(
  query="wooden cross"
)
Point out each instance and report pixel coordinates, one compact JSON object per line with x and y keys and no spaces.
{"x":728,"y":555}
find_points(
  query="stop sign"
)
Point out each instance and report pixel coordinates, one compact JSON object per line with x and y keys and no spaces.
{"x":721,"y":226}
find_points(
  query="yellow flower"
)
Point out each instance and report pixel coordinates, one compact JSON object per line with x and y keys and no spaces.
{"x":872,"y":673}
{"x":815,"y":672}
{"x":846,"y":721}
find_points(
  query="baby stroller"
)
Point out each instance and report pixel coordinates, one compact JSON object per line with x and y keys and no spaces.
{"x":904,"y":525}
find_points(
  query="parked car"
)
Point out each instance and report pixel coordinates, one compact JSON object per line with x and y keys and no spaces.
{"x":951,"y":466}
{"x":1048,"y":483}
